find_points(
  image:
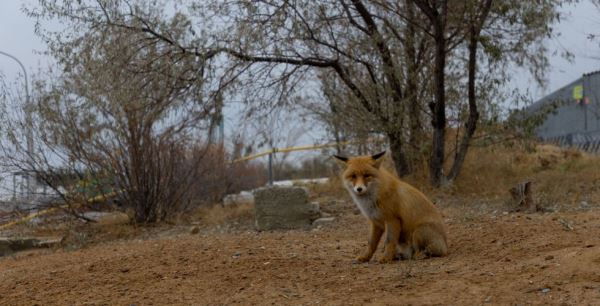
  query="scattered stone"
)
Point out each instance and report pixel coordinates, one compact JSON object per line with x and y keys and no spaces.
{"x":314,"y":211}
{"x":549,"y":257}
{"x":124,"y":270}
{"x":566,"y":224}
{"x":195,"y":230}
{"x":322,"y":221}
{"x":584,"y":205}
{"x":545,"y":290}
{"x":325,"y":215}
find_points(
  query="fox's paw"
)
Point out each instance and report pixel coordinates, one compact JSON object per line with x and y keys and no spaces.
{"x":385,"y":259}
{"x":363,"y":258}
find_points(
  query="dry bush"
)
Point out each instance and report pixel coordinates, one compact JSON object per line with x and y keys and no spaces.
{"x":218,"y":176}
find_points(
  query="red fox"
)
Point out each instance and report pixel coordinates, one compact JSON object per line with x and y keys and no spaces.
{"x":413,"y":226}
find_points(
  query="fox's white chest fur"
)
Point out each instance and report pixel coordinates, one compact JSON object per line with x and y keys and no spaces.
{"x":367,"y":204}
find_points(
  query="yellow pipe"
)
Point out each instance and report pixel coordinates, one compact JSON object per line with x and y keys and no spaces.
{"x":291,"y":149}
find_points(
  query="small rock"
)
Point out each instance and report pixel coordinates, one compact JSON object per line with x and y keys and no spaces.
{"x":195,"y":230}
{"x":314,"y":207}
{"x":124,"y":270}
{"x":584,"y":205}
{"x":545,"y":290}
{"x":566,"y":224}
{"x":549,"y":257}
{"x":325,"y":215}
{"x":322,"y":221}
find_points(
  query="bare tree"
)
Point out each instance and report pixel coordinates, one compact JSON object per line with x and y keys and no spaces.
{"x":126,"y":111}
{"x":383,"y":53}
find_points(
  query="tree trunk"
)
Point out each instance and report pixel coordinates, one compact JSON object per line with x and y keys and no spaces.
{"x":471,"y":125}
{"x":436,"y":161}
{"x":398,"y":155}
{"x":411,"y":92}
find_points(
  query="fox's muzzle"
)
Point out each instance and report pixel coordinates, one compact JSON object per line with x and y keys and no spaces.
{"x":360,"y":189}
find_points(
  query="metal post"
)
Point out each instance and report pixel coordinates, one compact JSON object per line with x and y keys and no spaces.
{"x":14,"y":187}
{"x":271,"y":167}
{"x":28,"y":120}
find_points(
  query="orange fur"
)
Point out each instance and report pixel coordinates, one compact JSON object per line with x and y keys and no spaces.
{"x":412,"y":224}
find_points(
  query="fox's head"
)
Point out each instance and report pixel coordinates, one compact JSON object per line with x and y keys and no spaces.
{"x":361,"y":173}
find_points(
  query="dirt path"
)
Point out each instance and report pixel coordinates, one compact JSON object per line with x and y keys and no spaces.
{"x":495,"y":259}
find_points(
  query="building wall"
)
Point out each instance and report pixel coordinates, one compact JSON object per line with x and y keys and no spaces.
{"x":591,"y":90}
{"x":571,"y":116}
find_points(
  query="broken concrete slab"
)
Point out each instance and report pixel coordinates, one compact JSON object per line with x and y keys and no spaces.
{"x":279,"y":207}
{"x":9,"y":245}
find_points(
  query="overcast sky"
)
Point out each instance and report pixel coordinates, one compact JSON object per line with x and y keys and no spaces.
{"x":17,"y":38}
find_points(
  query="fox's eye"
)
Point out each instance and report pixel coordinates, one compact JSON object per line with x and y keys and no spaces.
{"x":353,"y":176}
{"x":368,"y":176}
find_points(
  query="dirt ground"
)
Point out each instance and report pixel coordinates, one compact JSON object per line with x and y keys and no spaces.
{"x":495,"y":257}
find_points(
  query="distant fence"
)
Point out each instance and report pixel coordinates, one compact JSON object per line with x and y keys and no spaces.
{"x":584,"y":141}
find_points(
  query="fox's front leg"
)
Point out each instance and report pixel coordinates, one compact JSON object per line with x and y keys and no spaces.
{"x":374,"y":237}
{"x":392,"y":234}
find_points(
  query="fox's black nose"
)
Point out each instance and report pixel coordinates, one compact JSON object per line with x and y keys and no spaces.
{"x":359,"y":189}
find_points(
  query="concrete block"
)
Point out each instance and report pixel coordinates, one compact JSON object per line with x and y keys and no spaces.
{"x":281,"y":208}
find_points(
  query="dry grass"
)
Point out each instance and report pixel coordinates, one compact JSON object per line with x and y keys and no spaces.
{"x":561,"y":177}
{"x":218,"y":214}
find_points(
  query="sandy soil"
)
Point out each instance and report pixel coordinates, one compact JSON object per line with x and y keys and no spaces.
{"x":495,"y":258}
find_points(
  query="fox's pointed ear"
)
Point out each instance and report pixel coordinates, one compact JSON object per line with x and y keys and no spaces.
{"x":341,"y":160}
{"x":378,"y":158}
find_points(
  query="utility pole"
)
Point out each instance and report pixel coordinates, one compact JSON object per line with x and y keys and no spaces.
{"x":28,"y":122}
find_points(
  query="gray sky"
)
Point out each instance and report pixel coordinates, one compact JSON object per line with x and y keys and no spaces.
{"x":17,"y":38}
